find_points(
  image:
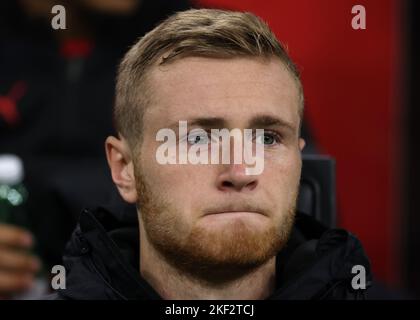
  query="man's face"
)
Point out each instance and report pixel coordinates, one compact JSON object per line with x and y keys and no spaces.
{"x":206,"y":216}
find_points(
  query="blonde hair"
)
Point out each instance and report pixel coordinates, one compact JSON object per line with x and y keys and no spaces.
{"x":196,"y":32}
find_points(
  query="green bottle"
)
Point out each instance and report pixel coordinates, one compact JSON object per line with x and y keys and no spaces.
{"x":13,"y":198}
{"x":13,"y":194}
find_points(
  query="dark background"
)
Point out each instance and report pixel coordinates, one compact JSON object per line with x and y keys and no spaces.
{"x":412,"y":171}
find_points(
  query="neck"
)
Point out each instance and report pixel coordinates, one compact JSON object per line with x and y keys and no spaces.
{"x":172,"y":283}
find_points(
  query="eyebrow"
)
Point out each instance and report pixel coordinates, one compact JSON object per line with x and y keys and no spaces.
{"x":264,"y":121}
{"x":257,"y":122}
{"x":208,"y":123}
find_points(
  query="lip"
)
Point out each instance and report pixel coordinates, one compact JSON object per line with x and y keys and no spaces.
{"x":237,"y":211}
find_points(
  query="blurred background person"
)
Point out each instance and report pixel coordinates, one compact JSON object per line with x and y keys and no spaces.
{"x":56,"y":89}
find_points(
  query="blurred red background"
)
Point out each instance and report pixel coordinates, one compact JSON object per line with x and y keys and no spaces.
{"x":352,"y":87}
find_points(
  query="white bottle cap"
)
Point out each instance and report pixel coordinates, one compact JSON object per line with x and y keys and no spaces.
{"x":11,"y":169}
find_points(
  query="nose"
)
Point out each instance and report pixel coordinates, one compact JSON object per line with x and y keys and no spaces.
{"x":234,"y":178}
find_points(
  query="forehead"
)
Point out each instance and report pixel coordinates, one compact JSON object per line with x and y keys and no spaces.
{"x":233,"y":89}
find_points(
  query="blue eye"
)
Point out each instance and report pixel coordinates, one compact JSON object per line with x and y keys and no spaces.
{"x":268,"y":138}
{"x":198,"y":136}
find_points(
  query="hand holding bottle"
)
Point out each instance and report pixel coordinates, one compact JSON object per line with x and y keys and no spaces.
{"x":17,"y":267}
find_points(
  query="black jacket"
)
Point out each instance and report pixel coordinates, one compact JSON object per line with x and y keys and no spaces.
{"x":101,"y":261}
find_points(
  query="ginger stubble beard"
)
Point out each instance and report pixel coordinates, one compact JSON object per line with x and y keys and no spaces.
{"x":213,"y":256}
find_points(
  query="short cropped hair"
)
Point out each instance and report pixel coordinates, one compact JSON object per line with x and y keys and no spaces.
{"x":193,"y":33}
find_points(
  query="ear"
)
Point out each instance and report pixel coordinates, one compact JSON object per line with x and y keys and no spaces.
{"x":119,"y":159}
{"x":301,"y":144}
